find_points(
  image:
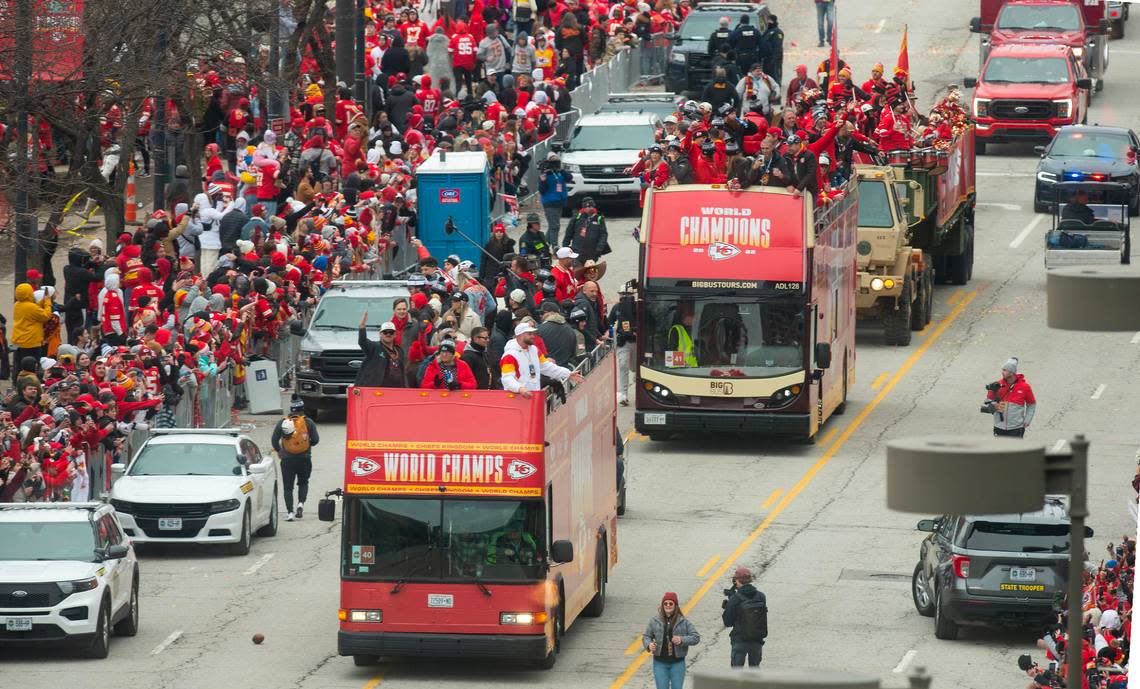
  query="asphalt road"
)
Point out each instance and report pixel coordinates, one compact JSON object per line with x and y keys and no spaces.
{"x":811,"y":519}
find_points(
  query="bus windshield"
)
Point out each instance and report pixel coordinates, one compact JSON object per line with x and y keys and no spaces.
{"x":437,"y":540}
{"x":717,"y":337}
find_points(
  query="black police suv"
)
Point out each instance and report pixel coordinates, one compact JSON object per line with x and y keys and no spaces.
{"x":1088,"y":153}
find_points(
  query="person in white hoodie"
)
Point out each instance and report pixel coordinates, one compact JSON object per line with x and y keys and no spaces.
{"x":522,"y":365}
{"x":210,"y":207}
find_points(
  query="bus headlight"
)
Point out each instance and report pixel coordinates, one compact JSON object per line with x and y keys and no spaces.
{"x":785,"y":396}
{"x":660,"y":393}
{"x":877,"y":284}
{"x":522,"y":618}
{"x":365,"y":615}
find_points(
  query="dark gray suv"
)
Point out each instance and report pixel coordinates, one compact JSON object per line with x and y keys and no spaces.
{"x":994,"y":570}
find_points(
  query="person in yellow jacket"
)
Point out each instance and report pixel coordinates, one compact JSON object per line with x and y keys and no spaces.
{"x":680,"y":341}
{"x":28,"y":322}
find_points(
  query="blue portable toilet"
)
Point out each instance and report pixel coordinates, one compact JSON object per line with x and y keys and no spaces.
{"x":456,"y":186}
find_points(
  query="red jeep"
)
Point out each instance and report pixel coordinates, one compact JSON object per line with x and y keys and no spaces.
{"x":1079,"y":24}
{"x":1027,"y":92}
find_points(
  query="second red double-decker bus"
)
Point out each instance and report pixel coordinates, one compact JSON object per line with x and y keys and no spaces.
{"x":477,"y":524}
{"x":746,"y":311}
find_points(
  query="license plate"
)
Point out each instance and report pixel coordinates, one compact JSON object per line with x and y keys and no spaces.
{"x":654,"y":419}
{"x":1022,"y":574}
{"x":170,"y":524}
{"x":441,"y":600}
{"x":608,"y":189}
{"x":19,"y":624}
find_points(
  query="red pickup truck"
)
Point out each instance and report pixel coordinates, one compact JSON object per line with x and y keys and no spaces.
{"x":1079,"y":24}
{"x":1028,"y":92}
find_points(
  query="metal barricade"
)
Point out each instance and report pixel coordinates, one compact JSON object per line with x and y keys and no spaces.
{"x":651,"y":60}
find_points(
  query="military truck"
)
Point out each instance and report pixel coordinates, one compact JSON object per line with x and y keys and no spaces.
{"x":916,"y":227}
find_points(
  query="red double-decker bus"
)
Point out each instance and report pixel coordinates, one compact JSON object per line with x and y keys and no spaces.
{"x":746,"y":311}
{"x":476,"y":523}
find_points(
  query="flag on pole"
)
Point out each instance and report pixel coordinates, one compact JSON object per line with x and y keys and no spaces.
{"x":833,"y":68}
{"x":904,"y":57}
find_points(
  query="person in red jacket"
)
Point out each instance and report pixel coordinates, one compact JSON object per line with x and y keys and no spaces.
{"x":893,"y":132}
{"x":709,"y":161}
{"x":652,"y":170}
{"x":429,"y":97}
{"x":1013,"y":401}
{"x":445,"y":371}
{"x":463,"y":48}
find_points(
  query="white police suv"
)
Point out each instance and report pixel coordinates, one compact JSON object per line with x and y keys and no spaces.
{"x":68,"y":574}
{"x":205,"y":485}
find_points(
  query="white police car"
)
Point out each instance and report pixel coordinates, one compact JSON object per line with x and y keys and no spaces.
{"x":67,"y":574}
{"x":197,"y":486}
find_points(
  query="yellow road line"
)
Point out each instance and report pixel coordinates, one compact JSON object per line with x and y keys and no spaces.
{"x":954,"y":298}
{"x":375,"y":681}
{"x":828,"y":436}
{"x":807,"y":478}
{"x":633,"y":647}
{"x":772,"y":498}
{"x":708,"y":565}
{"x":879,"y":380}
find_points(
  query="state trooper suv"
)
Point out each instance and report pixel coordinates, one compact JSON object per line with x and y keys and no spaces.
{"x":67,"y":574}
{"x":994,"y":570}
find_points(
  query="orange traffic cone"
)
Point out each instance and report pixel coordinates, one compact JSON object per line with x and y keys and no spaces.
{"x":132,"y":207}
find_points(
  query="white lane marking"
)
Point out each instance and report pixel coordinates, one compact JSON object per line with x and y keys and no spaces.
{"x":1003,"y":206}
{"x":174,"y":636}
{"x":1059,"y":445}
{"x":259,"y":564}
{"x":907,"y":657}
{"x":882,"y":23}
{"x":1007,"y":174}
{"x":1136,"y":339}
{"x":1099,"y":391}
{"x":1026,"y":232}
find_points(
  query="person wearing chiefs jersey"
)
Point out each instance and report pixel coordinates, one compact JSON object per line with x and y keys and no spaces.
{"x":430,"y":98}
{"x":415,"y":31}
{"x":463,"y":48}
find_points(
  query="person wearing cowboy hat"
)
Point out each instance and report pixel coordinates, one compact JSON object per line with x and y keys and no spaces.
{"x":590,"y":270}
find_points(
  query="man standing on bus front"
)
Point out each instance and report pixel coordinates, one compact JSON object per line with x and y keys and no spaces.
{"x":522,"y":364}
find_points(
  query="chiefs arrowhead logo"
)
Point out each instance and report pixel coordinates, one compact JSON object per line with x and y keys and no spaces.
{"x":519,"y":469}
{"x":719,"y":251}
{"x":362,"y":466}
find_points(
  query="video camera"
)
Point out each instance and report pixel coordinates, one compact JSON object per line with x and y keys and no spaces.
{"x":990,"y":406}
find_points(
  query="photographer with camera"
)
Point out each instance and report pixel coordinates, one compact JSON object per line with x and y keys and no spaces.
{"x":553,"y":190}
{"x":1010,"y":401}
{"x":1041,"y":677}
{"x":746,"y":611}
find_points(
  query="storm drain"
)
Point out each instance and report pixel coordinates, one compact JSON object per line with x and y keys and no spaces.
{"x":870,"y":575}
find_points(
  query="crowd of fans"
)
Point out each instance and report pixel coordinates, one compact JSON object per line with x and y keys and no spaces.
{"x":1106,"y":620}
{"x":746,"y":132}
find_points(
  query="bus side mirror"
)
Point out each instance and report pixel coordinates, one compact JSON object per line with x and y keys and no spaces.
{"x":326,"y":510}
{"x":562,"y":551}
{"x":823,"y":355}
